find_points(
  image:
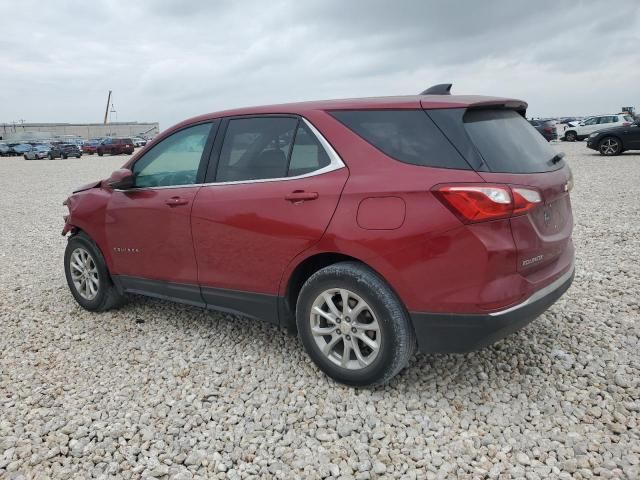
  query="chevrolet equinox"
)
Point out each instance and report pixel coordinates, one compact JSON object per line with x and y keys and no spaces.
{"x":375,"y":227}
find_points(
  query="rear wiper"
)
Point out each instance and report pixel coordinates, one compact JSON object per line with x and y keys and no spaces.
{"x":556,"y":158}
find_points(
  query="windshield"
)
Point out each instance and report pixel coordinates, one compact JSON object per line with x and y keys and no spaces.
{"x":508,"y":143}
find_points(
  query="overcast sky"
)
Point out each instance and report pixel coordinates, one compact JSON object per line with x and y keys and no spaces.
{"x":167,"y":60}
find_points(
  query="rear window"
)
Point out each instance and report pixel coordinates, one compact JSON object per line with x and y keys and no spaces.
{"x":507,"y":143}
{"x":409,"y":136}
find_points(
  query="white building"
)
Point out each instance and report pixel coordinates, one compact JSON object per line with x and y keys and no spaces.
{"x":42,"y":131}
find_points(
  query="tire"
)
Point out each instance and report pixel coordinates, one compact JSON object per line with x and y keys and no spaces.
{"x":106,"y":296}
{"x":610,"y":146}
{"x":100,"y":153}
{"x":384,"y":322}
{"x":64,"y":156}
{"x":570,"y":136}
{"x":25,"y":157}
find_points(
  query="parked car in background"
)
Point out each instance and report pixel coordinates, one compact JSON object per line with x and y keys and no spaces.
{"x":374,"y":226}
{"x":22,"y":148}
{"x":37,"y":152}
{"x":115,"y":146}
{"x":5,"y":150}
{"x":64,"y":150}
{"x":546,"y":128}
{"x":614,"y":141}
{"x":592,"y":124}
{"x":139,"y":142}
{"x":91,"y":146}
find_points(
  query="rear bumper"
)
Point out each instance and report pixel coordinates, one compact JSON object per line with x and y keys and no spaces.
{"x":459,"y":333}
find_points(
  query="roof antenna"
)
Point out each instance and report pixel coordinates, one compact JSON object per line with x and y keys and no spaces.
{"x":440,"y":89}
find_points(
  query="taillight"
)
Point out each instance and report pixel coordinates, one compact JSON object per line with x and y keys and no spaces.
{"x":548,"y":129}
{"x":626,"y":124}
{"x":483,"y":202}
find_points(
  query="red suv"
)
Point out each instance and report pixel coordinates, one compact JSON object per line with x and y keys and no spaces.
{"x":115,"y":146}
{"x":374,"y":226}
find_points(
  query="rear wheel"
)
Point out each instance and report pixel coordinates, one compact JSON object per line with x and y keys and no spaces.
{"x":88,"y":277}
{"x":64,"y":156}
{"x":100,"y":153}
{"x":571,"y":136}
{"x":353,"y":326}
{"x":610,"y":146}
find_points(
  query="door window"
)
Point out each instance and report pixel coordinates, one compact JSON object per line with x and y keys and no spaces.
{"x":256,"y":148}
{"x":591,"y":121}
{"x":173,"y":161}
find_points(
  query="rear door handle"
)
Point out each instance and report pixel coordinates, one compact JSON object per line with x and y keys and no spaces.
{"x":175,"y":201}
{"x":298,"y":196}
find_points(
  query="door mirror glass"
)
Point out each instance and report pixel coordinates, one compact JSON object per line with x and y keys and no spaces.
{"x":121,"y":179}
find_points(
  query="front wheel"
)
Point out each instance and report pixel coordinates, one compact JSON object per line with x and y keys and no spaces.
{"x":571,"y":136}
{"x":610,"y":146}
{"x":88,"y":277}
{"x":100,"y":153}
{"x":353,"y":326}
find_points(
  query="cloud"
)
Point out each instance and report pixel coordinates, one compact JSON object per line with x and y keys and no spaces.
{"x":167,"y":60}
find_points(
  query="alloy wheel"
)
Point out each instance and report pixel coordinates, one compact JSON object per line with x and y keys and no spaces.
{"x":609,"y":146}
{"x":84,"y":273}
{"x":345,"y":329}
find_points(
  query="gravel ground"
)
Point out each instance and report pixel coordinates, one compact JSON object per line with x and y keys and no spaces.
{"x":169,"y":391}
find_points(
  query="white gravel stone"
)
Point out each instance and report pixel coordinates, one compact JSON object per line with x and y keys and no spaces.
{"x":169,"y":390}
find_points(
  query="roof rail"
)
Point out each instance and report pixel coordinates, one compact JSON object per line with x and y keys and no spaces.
{"x":440,"y":89}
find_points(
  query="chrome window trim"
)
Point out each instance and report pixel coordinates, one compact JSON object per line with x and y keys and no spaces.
{"x":335,"y":163}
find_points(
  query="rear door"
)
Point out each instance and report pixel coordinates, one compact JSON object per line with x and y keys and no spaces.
{"x":515,"y":154}
{"x":269,"y":196}
{"x":631,"y":136}
{"x":590,"y":126}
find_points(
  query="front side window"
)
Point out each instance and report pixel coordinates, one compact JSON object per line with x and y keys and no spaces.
{"x":256,"y":148}
{"x":173,"y":161}
{"x":591,"y":121}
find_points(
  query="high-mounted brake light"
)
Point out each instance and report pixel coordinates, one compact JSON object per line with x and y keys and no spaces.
{"x":483,"y":202}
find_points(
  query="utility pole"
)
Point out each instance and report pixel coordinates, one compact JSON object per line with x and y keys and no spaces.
{"x":106,"y":112}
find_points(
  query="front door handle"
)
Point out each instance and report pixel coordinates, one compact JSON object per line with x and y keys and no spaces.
{"x":175,"y":201}
{"x":299,"y":196}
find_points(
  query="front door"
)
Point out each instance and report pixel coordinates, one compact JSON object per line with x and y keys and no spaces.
{"x":149,"y":226}
{"x":274,"y":191}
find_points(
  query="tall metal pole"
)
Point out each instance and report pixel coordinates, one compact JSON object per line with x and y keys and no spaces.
{"x":106,"y":112}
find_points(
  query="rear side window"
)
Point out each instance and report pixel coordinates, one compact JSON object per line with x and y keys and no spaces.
{"x":507,"y":143}
{"x":307,"y":154}
{"x":409,"y":136}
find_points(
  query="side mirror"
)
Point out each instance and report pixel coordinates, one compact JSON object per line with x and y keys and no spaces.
{"x":121,"y":179}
